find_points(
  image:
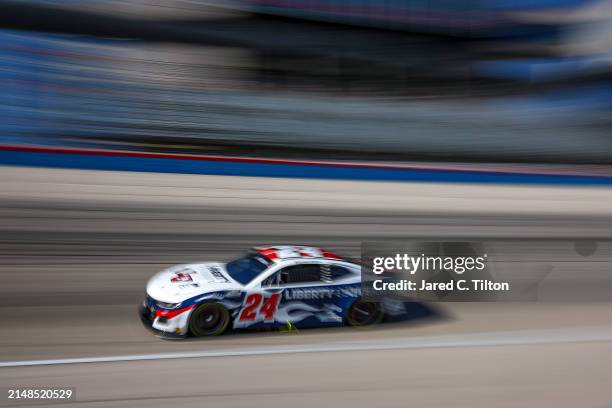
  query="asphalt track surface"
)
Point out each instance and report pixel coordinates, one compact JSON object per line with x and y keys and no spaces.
{"x":76,"y":248}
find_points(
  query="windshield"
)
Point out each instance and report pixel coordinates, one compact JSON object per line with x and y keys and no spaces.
{"x":245,"y":269}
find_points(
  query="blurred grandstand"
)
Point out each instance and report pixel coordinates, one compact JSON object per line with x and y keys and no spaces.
{"x":469,"y":80}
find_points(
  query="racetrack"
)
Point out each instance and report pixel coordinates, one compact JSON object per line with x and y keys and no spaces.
{"x":77,"y":247}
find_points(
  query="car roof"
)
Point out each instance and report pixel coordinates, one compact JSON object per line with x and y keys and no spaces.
{"x":282,"y":252}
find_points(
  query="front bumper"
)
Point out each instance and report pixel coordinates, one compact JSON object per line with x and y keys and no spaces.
{"x":168,"y":328}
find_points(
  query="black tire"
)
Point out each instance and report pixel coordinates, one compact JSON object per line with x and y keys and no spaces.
{"x":209,"y":319}
{"x":363,"y":313}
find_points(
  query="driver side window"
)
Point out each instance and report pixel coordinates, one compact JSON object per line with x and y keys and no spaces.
{"x":271,"y":281}
{"x":291,"y":275}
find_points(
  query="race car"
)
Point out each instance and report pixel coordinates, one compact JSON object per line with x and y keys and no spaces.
{"x":270,"y":287}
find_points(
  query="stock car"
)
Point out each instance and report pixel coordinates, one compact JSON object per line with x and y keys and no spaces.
{"x":266,"y":288}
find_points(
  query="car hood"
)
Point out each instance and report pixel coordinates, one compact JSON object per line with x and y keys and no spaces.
{"x":181,"y":282}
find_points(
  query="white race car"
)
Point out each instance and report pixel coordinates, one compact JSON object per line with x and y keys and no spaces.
{"x":268,"y":287}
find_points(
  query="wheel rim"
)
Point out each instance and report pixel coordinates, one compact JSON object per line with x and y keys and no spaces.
{"x":208,"y":320}
{"x":364,"y":313}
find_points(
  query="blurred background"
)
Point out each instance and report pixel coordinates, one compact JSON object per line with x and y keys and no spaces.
{"x":461,"y":80}
{"x":460,"y":95}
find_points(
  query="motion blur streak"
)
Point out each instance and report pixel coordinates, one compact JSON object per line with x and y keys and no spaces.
{"x":233,"y":85}
{"x":576,"y":335}
{"x":503,"y":84}
{"x":78,"y":246}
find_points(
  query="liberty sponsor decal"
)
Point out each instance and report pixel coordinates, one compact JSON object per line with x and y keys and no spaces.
{"x":321,"y":293}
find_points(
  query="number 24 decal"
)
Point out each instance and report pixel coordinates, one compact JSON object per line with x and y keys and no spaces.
{"x":267,"y":309}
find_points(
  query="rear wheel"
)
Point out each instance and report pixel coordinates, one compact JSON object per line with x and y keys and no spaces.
{"x":364,"y":313}
{"x":209,"y":319}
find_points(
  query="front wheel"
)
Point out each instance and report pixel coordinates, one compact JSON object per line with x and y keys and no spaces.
{"x":364,"y":313}
{"x":209,"y":319}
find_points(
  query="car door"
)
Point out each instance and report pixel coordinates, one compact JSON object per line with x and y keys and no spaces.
{"x":311,"y":295}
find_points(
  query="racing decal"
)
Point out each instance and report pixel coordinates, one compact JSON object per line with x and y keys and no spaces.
{"x":216,"y":273}
{"x":182,"y":276}
{"x":304,"y":305}
{"x":321,"y":293}
{"x":293,"y":305}
{"x":252,"y":309}
{"x":308,"y":252}
{"x":285,"y":251}
{"x":294,"y":312}
{"x":188,"y":285}
{"x":171,"y":313}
